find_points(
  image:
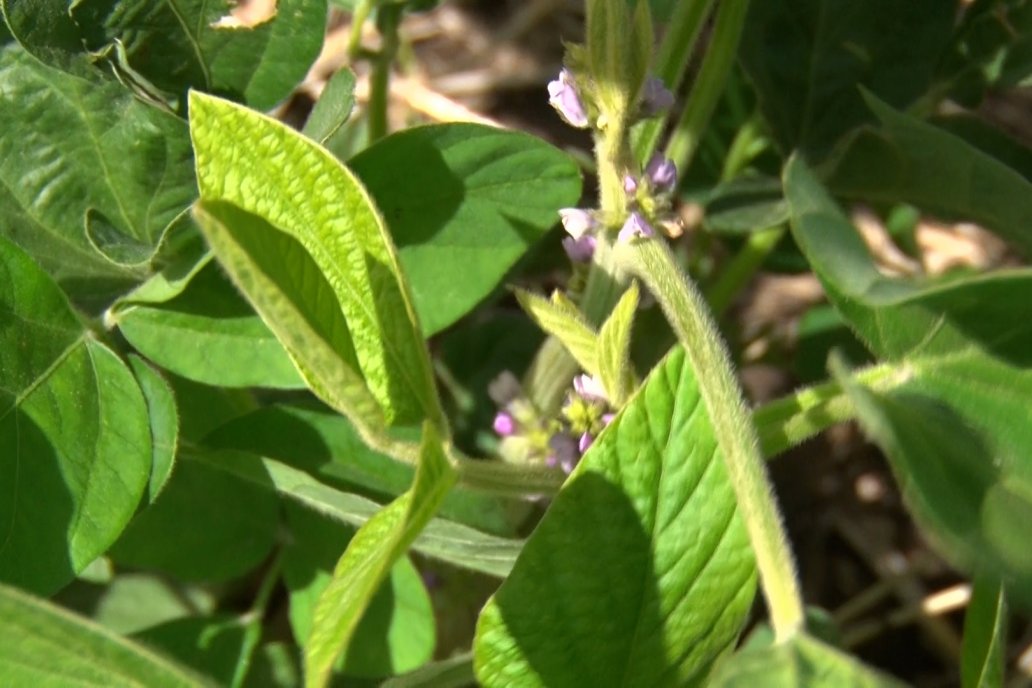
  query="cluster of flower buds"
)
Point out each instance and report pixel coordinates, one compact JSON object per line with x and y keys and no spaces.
{"x":559,"y":442}
{"x":649,"y":197}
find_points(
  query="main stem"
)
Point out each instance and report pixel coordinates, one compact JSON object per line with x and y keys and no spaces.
{"x":380,"y":81}
{"x":736,"y":436}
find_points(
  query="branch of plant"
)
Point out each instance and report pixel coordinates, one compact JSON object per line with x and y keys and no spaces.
{"x":387,"y":21}
{"x":253,"y":619}
{"x":686,"y":310}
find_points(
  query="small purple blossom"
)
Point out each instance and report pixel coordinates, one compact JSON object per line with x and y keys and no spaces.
{"x":635,"y":226}
{"x":662,"y":173}
{"x":584,"y":442}
{"x":655,"y":97}
{"x":504,"y":424}
{"x":630,"y":185}
{"x":607,"y":418}
{"x":576,"y":222}
{"x":580,"y":250}
{"x":589,"y":388}
{"x":563,"y":96}
{"x":564,"y":452}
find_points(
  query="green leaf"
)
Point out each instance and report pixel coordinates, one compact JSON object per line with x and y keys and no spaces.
{"x":910,"y":161}
{"x":209,"y":334}
{"x":956,"y":423}
{"x":744,"y":205}
{"x":802,"y":662}
{"x":561,"y":318}
{"x":326,"y":446}
{"x":454,"y":672}
{"x":209,"y":645}
{"x":264,"y":167}
{"x":43,"y":645}
{"x":656,"y":596}
{"x":75,"y":446}
{"x":77,"y":153}
{"x":396,"y":633}
{"x":332,"y":110}
{"x":164,"y":423}
{"x":181,"y":45}
{"x":447,"y":541}
{"x":985,"y":636}
{"x":135,"y":601}
{"x":471,"y":201}
{"x":204,"y":526}
{"x":614,"y":348}
{"x":806,"y":57}
{"x":369,"y":557}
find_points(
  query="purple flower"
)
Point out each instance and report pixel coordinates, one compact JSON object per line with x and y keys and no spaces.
{"x":576,"y":222}
{"x":564,"y":451}
{"x":607,"y":418}
{"x":655,"y":97}
{"x":584,"y":442}
{"x":580,"y":250}
{"x":589,"y":388}
{"x":504,"y":424}
{"x":662,"y":173}
{"x":630,"y":185}
{"x":634,"y":227}
{"x":563,"y":96}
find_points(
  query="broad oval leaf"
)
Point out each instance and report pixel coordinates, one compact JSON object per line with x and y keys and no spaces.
{"x":180,"y":45}
{"x":209,"y":334}
{"x":268,"y":170}
{"x":77,"y":154}
{"x":75,"y":442}
{"x":806,"y":57}
{"x":44,"y":645}
{"x":957,"y":424}
{"x":204,"y":526}
{"x":164,"y":423}
{"x":641,"y":572}
{"x":463,"y":203}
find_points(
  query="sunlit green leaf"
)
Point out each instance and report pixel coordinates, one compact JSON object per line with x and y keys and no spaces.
{"x":673,"y":556}
{"x":164,"y":423}
{"x":560,"y":318}
{"x":985,"y":636}
{"x":317,"y":216}
{"x":369,"y":557}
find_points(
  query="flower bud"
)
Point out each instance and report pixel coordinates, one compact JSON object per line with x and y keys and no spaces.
{"x":655,"y":97}
{"x":563,"y":96}
{"x":662,"y":173}
{"x":589,"y":388}
{"x":504,"y":424}
{"x":580,"y":250}
{"x":576,"y":222}
{"x":584,"y":442}
{"x":635,"y":227}
{"x":630,"y":185}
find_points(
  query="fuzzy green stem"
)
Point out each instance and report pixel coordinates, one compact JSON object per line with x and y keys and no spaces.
{"x":742,"y":267}
{"x":786,"y":422}
{"x":387,"y":21}
{"x":507,"y":479}
{"x":358,"y":20}
{"x":686,"y":310}
{"x":672,"y":60}
{"x":705,"y":94}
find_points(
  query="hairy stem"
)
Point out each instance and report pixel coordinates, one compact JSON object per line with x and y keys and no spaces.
{"x":684,"y":306}
{"x":387,"y":21}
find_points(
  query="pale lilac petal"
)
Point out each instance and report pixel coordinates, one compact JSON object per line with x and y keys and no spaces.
{"x":635,"y":227}
{"x":563,"y":96}
{"x":630,"y":185}
{"x":580,"y":250}
{"x":607,"y":418}
{"x":589,"y":388}
{"x":662,"y":173}
{"x":655,"y":97}
{"x":576,"y":222}
{"x":504,"y":424}
{"x":584,"y":442}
